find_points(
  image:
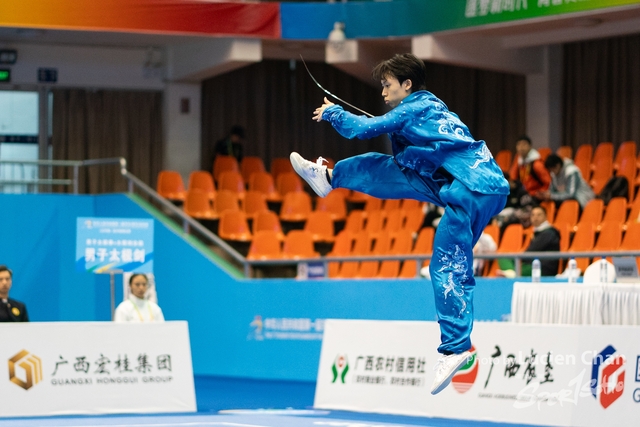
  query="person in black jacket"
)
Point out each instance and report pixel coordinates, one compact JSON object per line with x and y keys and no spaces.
{"x":545,"y":238}
{"x":10,"y":309}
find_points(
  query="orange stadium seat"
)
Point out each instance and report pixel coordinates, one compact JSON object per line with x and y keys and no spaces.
{"x":202,"y":180}
{"x":361,"y":247}
{"x":401,"y":245}
{"x":342,"y":246}
{"x":582,"y":160}
{"x":410,"y":204}
{"x":249,"y":165}
{"x":592,"y":214}
{"x":333,"y":203}
{"x":504,"y":159}
{"x":567,"y":214}
{"x":355,"y":221}
{"x":544,"y":152}
{"x":254,"y":202}
{"x":170,"y":186}
{"x":390,"y":204}
{"x":631,"y":239}
{"x":626,"y":150}
{"x":267,"y":220}
{"x":423,"y":246}
{"x":565,"y":152}
{"x":602,"y":172}
{"x":610,"y":237}
{"x":234,"y":226}
{"x":296,"y":206}
{"x":224,"y":164}
{"x":413,"y":220}
{"x":280,"y":165}
{"x":374,"y":222}
{"x":298,"y":244}
{"x":511,"y":241}
{"x":357,"y":197}
{"x":225,"y":199}
{"x":287,"y":182}
{"x":197,"y":205}
{"x":263,"y":182}
{"x":264,"y":246}
{"x":381,"y":246}
{"x":634,"y":213}
{"x":230,"y":180}
{"x":394,"y":220}
{"x":628,"y":169}
{"x":583,"y":240}
{"x":320,"y":225}
{"x":616,"y":210}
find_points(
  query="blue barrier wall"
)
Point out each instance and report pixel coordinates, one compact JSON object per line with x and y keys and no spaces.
{"x":268,"y":328}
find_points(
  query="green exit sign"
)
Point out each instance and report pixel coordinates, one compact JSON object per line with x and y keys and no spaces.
{"x":5,"y":76}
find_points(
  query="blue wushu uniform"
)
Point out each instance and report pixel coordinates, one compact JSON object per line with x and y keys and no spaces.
{"x":435,"y":159}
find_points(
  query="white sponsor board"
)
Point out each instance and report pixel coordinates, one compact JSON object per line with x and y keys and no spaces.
{"x":95,"y":368}
{"x":560,"y":375}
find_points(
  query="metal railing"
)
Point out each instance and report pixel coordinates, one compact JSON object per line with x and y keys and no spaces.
{"x":189,"y":224}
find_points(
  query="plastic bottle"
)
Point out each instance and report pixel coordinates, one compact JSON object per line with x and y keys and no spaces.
{"x":604,"y":271}
{"x":573,"y":273}
{"x":536,"y":271}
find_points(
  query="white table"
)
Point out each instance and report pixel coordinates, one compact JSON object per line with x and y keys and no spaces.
{"x":576,"y":303}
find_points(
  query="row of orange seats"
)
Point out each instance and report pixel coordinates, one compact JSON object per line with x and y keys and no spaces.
{"x":595,"y":212}
{"x":611,"y":235}
{"x":234,"y":224}
{"x":299,"y":244}
{"x":171,"y":186}
{"x":597,"y":166}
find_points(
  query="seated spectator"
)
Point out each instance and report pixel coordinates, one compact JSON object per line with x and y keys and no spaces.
{"x":545,"y":238}
{"x":231,"y":145}
{"x":10,"y":309}
{"x":567,"y":182}
{"x":518,"y":207}
{"x":136,"y":308}
{"x":529,"y":168}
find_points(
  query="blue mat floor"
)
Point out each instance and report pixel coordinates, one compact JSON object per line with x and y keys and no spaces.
{"x":252,"y":403}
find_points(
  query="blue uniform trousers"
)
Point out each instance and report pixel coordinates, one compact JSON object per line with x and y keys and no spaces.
{"x":466,"y":215}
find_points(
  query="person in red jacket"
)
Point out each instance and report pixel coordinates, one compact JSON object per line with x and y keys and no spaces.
{"x":529,"y":168}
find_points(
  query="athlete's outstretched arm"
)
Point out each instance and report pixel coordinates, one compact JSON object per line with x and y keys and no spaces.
{"x":351,"y":126}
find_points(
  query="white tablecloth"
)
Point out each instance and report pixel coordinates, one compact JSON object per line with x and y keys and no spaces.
{"x":576,"y":303}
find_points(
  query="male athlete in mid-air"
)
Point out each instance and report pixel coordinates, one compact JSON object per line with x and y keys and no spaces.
{"x":435,"y":159}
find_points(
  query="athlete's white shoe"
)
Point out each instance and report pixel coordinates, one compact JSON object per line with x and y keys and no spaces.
{"x":314,"y":173}
{"x":446,"y":368}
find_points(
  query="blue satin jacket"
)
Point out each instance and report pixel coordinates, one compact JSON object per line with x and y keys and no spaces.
{"x":425,"y":136}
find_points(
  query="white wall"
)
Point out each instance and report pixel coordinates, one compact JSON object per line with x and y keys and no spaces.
{"x":182,"y":130}
{"x":117,"y":68}
{"x":97,"y":67}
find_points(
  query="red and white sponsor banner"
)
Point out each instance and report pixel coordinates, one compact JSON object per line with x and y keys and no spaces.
{"x":95,"y":368}
{"x":559,"y":375}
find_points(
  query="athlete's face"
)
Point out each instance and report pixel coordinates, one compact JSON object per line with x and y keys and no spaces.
{"x":139,"y":286}
{"x":393,"y":91}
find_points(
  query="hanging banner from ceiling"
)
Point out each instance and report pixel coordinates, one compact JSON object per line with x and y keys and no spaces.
{"x":188,"y":17}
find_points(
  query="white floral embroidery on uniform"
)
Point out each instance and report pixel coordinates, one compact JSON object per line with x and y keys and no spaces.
{"x":484,"y":154}
{"x":451,"y":125}
{"x":458,"y":266}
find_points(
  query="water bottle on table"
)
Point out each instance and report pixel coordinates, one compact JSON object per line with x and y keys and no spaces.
{"x":573,"y":271}
{"x":536,"y":270}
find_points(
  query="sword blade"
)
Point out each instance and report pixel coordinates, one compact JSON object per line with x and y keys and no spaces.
{"x":331,"y":94}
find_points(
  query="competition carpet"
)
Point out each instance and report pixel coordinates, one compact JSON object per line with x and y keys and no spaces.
{"x":238,"y":403}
